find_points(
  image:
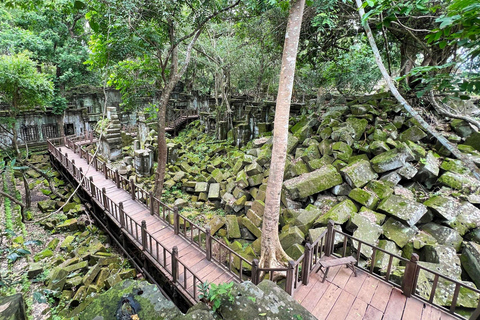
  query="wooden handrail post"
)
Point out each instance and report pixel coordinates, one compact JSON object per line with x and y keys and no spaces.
{"x":87,"y":157}
{"x":255,"y":275}
{"x":105,"y":203}
{"x":80,"y":174}
{"x":105,"y":170}
{"x":410,"y":276}
{"x":329,"y":238}
{"x":208,"y":243}
{"x":117,"y":178}
{"x":144,"y":235}
{"x":95,"y":163}
{"x":290,"y":277}
{"x":92,"y":187}
{"x":175,"y":268}
{"x":122,"y":217}
{"x":132,"y":188}
{"x":73,"y":167}
{"x":307,"y":261}
{"x":152,"y":210}
{"x":176,"y":221}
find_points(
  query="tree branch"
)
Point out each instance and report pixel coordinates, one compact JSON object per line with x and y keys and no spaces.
{"x":449,"y":146}
{"x":444,"y":111}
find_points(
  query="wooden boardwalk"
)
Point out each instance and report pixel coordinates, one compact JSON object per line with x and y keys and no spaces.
{"x":341,"y":296}
{"x":189,"y":255}
{"x":344,"y":296}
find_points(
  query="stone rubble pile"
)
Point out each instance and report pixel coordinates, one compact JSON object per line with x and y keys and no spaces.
{"x":365,"y":165}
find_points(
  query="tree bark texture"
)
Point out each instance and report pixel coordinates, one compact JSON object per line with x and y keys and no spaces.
{"x":443,"y":141}
{"x":272,"y":253}
{"x":175,"y":75}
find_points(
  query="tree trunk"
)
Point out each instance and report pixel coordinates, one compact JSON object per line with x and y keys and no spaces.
{"x":28,"y":197}
{"x":175,"y":75}
{"x":444,"y":142}
{"x":272,"y":253}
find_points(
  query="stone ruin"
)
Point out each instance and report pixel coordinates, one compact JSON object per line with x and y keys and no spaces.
{"x":110,"y":143}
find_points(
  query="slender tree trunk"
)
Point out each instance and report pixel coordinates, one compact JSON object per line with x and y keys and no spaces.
{"x":28,"y":197}
{"x":175,"y":75}
{"x":444,"y":142}
{"x":272,"y":253}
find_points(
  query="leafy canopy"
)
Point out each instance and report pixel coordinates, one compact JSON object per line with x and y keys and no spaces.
{"x":22,"y":87}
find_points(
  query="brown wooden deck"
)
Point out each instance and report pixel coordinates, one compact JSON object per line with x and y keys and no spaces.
{"x":344,"y":296}
{"x":189,"y":255}
{"x":341,"y":296}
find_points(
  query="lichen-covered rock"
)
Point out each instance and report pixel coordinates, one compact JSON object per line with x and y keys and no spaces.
{"x":367,"y":230}
{"x":468,"y":218}
{"x":307,"y":217}
{"x":201,"y":187}
{"x":313,"y":182}
{"x":444,"y":207}
{"x":382,"y":259}
{"x":470,"y":259}
{"x":247,"y":223}
{"x":398,"y":232}
{"x":382,"y":189}
{"x":295,"y":251}
{"x":413,"y":134}
{"x":429,"y":169}
{"x":365,"y":197}
{"x":454,"y":165}
{"x":233,"y":229}
{"x":408,"y":171}
{"x":12,"y":307}
{"x":387,"y":161}
{"x":444,"y":235}
{"x":449,"y":265}
{"x":145,"y":301}
{"x":459,"y":181}
{"x":265,"y":301}
{"x":340,"y":213}
{"x":216,"y":223}
{"x":214,"y":191}
{"x":342,"y":151}
{"x":289,"y":236}
{"x":358,"y":173}
{"x":404,"y":209}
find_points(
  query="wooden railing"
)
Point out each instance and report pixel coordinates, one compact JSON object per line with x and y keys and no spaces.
{"x":179,"y":117}
{"x":138,"y":233}
{"x":408,"y":283}
{"x":296,"y":273}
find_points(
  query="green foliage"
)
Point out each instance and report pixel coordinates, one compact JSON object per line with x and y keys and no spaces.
{"x":21,"y":85}
{"x":59,"y":104}
{"x":53,"y":31}
{"x":350,"y":72}
{"x":213,"y":294}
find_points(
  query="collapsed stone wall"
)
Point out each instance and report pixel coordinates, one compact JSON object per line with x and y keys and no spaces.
{"x":367,"y":166}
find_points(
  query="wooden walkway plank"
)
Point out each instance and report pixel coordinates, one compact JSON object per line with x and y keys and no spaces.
{"x":319,"y":289}
{"x":342,"y":306}
{"x":354,"y":284}
{"x":395,"y":306}
{"x":342,"y":276}
{"x":431,"y":313}
{"x":413,"y":309}
{"x":372,"y":314}
{"x":381,"y":297}
{"x":326,"y":303}
{"x":189,"y":255}
{"x":357,"y":311}
{"x":368,"y":289}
